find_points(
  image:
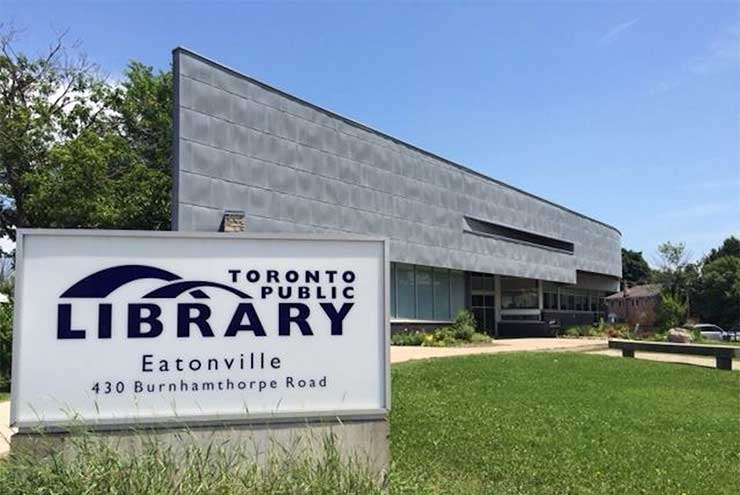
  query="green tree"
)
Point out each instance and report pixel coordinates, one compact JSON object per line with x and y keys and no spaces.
{"x":720,"y":302}
{"x":676,"y":274}
{"x":672,"y":260}
{"x":635,"y":269}
{"x":671,"y":312}
{"x":730,"y":247}
{"x":78,"y":152}
{"x":43,"y":101}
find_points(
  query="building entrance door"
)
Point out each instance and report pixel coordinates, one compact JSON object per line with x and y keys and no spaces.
{"x":483,"y":301}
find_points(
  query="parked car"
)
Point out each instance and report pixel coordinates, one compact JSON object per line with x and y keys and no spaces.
{"x":715,"y":332}
{"x":734,"y":333}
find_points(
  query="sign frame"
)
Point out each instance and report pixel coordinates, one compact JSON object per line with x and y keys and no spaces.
{"x":207,"y":419}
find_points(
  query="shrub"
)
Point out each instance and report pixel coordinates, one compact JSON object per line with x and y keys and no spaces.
{"x":671,"y":312}
{"x":462,"y":331}
{"x":480,"y":338}
{"x":572,"y":332}
{"x":6,"y":345}
{"x":464,"y":327}
{"x":407,"y":338}
{"x":619,"y":330}
{"x":583,"y":331}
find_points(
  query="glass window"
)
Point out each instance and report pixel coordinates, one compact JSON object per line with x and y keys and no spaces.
{"x":490,"y":314}
{"x":567,"y":300}
{"x":550,"y":296}
{"x":441,"y":294}
{"x":457,"y":295}
{"x":480,"y":318}
{"x":406,"y":298}
{"x":424,"y":293}
{"x":580,"y":301}
{"x":550,"y":300}
{"x":482,"y":281}
{"x":519,"y":293}
{"x":483,"y":309}
{"x":394,"y":291}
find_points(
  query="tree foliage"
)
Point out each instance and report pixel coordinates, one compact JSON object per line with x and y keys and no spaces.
{"x":77,"y":151}
{"x":635,"y":269}
{"x":710,"y":290}
{"x":730,"y":247}
{"x":671,"y":312}
{"x":676,"y":274}
{"x":721,"y":291}
{"x":44,"y":101}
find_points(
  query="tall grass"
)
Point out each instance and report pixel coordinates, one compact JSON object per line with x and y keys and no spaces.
{"x":93,"y":466}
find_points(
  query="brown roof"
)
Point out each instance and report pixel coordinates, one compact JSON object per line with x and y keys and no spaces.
{"x":648,"y":290}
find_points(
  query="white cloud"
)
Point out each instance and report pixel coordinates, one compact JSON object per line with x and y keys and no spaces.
{"x":722,"y":53}
{"x":614,"y":33}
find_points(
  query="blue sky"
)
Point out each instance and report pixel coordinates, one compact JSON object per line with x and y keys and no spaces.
{"x":626,"y":112}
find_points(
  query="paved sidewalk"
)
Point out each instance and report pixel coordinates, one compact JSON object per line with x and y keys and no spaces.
{"x":5,"y":431}
{"x":400,"y":354}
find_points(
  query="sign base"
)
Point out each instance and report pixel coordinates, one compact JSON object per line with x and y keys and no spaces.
{"x":363,"y":442}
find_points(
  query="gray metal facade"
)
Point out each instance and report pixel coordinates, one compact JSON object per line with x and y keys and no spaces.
{"x":294,"y":167}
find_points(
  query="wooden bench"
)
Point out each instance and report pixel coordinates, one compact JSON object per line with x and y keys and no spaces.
{"x":723,"y":353}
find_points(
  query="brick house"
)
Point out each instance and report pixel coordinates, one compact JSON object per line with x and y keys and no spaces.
{"x":634,"y":305}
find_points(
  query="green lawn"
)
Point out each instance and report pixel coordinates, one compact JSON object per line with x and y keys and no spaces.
{"x":4,"y":396}
{"x":560,"y":423}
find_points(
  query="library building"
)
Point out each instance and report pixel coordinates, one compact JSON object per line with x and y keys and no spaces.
{"x":251,"y":157}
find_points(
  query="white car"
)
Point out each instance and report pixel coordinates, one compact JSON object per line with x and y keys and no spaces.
{"x":714,"y":332}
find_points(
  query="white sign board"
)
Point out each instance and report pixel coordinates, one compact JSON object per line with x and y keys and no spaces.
{"x":117,"y":327}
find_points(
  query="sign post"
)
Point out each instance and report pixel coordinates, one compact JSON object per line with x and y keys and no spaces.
{"x":120,"y":329}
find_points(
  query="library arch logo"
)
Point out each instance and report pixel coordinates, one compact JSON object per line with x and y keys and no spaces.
{"x":101,"y":284}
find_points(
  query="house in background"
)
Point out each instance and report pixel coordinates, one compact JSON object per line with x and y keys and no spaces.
{"x":635,"y":305}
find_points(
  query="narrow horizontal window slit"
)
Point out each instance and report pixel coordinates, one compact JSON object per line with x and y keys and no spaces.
{"x":481,"y":227}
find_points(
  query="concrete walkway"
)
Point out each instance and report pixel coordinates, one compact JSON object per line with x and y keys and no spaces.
{"x":400,"y":354}
{"x":5,"y":430}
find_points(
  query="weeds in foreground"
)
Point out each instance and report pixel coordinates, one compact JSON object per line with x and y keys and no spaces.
{"x":90,"y":465}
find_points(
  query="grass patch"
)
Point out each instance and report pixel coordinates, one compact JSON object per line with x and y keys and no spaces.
{"x":519,"y":423}
{"x":563,"y":423}
{"x":4,"y":396}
